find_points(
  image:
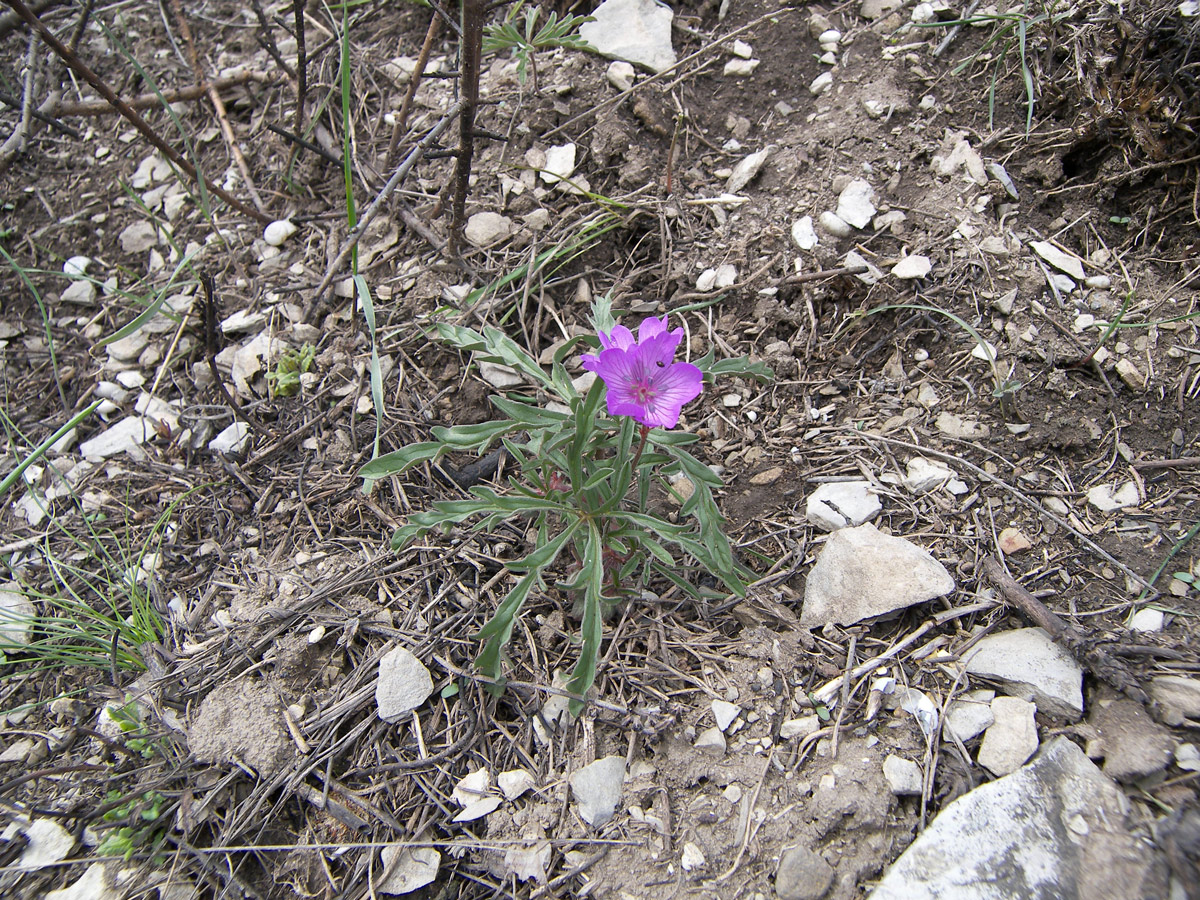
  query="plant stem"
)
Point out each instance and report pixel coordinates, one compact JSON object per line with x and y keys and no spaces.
{"x":471,"y":49}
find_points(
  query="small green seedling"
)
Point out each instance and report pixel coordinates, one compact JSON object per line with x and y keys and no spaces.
{"x":292,"y":363}
{"x":524,"y":42}
{"x":128,"y":839}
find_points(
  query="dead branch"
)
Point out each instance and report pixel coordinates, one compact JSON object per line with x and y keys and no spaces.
{"x":81,"y":69}
{"x":150,"y":101}
{"x":1084,"y":649}
{"x":470,"y":54}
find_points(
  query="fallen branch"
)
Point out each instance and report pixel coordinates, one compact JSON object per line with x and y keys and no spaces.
{"x":151,"y":101}
{"x":1089,"y":655}
{"x":81,"y":69}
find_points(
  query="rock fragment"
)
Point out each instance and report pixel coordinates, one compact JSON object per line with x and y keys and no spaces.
{"x":842,"y":504}
{"x":1059,"y":259}
{"x":1132,"y":744}
{"x":1011,"y":738}
{"x":597,"y":789}
{"x":855,"y":203}
{"x":637,"y":31}
{"x":404,"y":684}
{"x":1029,"y":665}
{"x":862,"y":573}
{"x":803,"y":874}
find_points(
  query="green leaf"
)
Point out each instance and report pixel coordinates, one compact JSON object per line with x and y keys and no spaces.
{"x":498,"y":630}
{"x":590,"y":632}
{"x":403,"y":459}
{"x":528,"y":415}
{"x":474,"y":437}
{"x":548,"y":552}
{"x":741,"y":366}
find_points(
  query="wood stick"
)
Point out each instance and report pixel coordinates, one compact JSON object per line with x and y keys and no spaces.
{"x":150,"y":101}
{"x":66,"y":55}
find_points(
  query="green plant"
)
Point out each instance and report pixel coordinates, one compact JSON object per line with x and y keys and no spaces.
{"x":583,"y":488}
{"x":1011,"y":30}
{"x":292,"y":363}
{"x":525,"y":38}
{"x":134,"y":733}
{"x":145,"y":812}
{"x":97,"y":599}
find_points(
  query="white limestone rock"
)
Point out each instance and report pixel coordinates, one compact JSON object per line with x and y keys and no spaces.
{"x":597,"y":789}
{"x":404,"y":684}
{"x":1029,"y":665}
{"x":862,"y":573}
{"x":1011,"y":738}
{"x":637,"y":31}
{"x":842,"y":504}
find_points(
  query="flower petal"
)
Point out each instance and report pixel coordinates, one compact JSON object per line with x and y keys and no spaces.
{"x":659,"y":349}
{"x":620,"y":338}
{"x":671,"y":388}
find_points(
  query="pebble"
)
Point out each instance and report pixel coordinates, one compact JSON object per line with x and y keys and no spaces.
{"x":711,"y":742}
{"x":971,"y":714}
{"x":834,"y":225}
{"x":855,"y":203}
{"x":923,"y":474}
{"x":1178,"y":696}
{"x":957,"y":426}
{"x":560,"y":164}
{"x":81,"y":293}
{"x":767,"y":476}
{"x":404,"y":684}
{"x":874,"y":109}
{"x":1131,"y":375}
{"x":724,"y":713}
{"x":802,"y":875}
{"x":903,"y":776}
{"x":138,"y":237}
{"x":1013,"y":540}
{"x":621,"y":75}
{"x":821,"y":84}
{"x":485,"y":228}
{"x":741,"y":67}
{"x":500,"y":376}
{"x":804,"y":234}
{"x":76,"y":266}
{"x":1097,"y":282}
{"x":742,"y":49}
{"x":1147,"y":620}
{"x":692,"y":857}
{"x":232,"y":440}
{"x":799,"y":728}
{"x":912,"y":267}
{"x":746,"y":169}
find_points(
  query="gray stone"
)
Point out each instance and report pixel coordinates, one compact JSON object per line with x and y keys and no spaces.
{"x":912,"y":267}
{"x":637,"y":31}
{"x":832,"y":224}
{"x":16,"y":616}
{"x":621,"y":75}
{"x":404,"y":684}
{"x":855,"y":206}
{"x":138,"y":237}
{"x":1133,"y":745}
{"x":804,"y":234}
{"x":711,"y":742}
{"x":49,"y":843}
{"x":1029,"y":665}
{"x":1064,"y":262}
{"x":96,"y":883}
{"x":842,"y":504}
{"x":1178,"y":697}
{"x":1011,"y":739}
{"x":724,"y":713}
{"x":597,"y":789}
{"x":747,"y":169}
{"x":486,"y":228}
{"x":1054,"y":828}
{"x":862,"y":572}
{"x":129,"y":433}
{"x":903,"y":775}
{"x":232,"y":439}
{"x":970,"y":715}
{"x":802,"y":875}
{"x":874,"y":9}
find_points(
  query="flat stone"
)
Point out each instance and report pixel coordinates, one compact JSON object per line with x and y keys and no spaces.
{"x":1107,"y":498}
{"x":81,"y":293}
{"x":842,"y":504}
{"x":799,"y":728}
{"x":127,"y":434}
{"x":500,"y":376}
{"x":1013,"y":540}
{"x":821,"y":84}
{"x":971,"y":714}
{"x":138,"y":237}
{"x":560,"y":163}
{"x":923,"y":474}
{"x":1064,"y":262}
{"x":1011,"y":739}
{"x":855,"y":203}
{"x":404,"y":684}
{"x":912,"y":267}
{"x":903,"y":776}
{"x":874,"y":9}
{"x":232,"y":439}
{"x":128,"y":348}
{"x":854,"y":259}
{"x":740,"y":68}
{"x":16,"y":615}
{"x":597,"y":789}
{"x":804,"y":234}
{"x":94,"y":884}
{"x":711,"y":742}
{"x":747,"y":169}
{"x":1177,"y":696}
{"x":862,"y":573}
{"x":1147,"y":620}
{"x":1054,"y":828}
{"x":803,"y":874}
{"x":1029,"y":665}
{"x":485,"y":228}
{"x":957,"y":154}
{"x":49,"y":843}
{"x":724,"y":713}
{"x":637,"y":31}
{"x":956,"y":426}
{"x":1131,"y":375}
{"x":405,"y":869}
{"x":1133,"y":745}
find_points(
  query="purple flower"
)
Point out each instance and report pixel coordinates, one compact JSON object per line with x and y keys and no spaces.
{"x":642,"y":378}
